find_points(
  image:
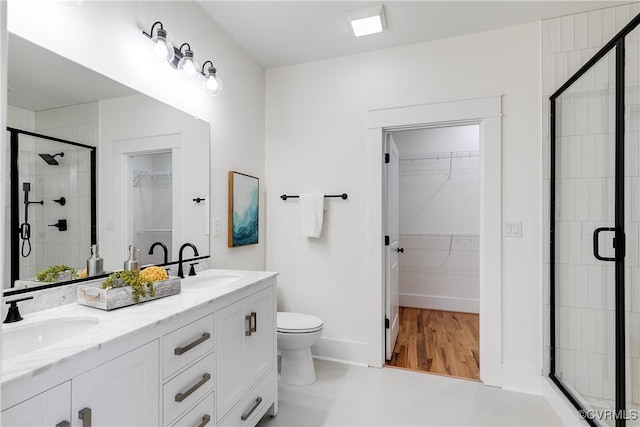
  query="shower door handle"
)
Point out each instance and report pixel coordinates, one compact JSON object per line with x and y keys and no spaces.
{"x":596,"y":241}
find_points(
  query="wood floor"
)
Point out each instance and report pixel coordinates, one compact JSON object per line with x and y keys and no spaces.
{"x":440,"y":342}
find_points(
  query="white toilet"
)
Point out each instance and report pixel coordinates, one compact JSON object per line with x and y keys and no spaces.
{"x":296,"y":334}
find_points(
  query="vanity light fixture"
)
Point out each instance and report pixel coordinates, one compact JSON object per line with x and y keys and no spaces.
{"x":212,"y":83}
{"x":183,"y":59}
{"x":369,"y":20}
{"x":161,"y":46}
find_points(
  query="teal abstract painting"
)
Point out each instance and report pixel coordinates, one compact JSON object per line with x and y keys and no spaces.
{"x":243,"y":209}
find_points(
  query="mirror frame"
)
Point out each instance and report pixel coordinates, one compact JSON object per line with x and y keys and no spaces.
{"x":15,"y":194}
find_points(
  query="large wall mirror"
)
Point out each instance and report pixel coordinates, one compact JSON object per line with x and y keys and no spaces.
{"x":150,"y":163}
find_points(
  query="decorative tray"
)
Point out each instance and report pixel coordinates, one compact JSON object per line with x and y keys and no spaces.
{"x":92,"y":295}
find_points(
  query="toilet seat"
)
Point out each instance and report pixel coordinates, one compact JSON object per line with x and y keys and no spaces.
{"x":298,"y":323}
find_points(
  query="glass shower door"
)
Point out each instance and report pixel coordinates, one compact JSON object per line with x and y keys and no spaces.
{"x":632,"y":225}
{"x":585,"y":227}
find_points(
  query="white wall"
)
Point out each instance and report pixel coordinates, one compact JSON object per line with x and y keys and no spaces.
{"x":316,"y":140}
{"x":107,"y":37}
{"x":439,"y":203}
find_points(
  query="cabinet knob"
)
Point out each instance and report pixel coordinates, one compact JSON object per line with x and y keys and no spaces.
{"x":64,"y":423}
{"x":85,"y":415}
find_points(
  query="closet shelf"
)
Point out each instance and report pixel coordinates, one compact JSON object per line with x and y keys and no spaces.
{"x":442,"y":155}
{"x":443,"y":235}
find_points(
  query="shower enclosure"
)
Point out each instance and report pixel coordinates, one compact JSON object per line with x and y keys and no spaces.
{"x":53,"y":203}
{"x":594,"y":234}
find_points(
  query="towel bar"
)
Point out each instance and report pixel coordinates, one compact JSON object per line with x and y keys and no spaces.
{"x":343,"y":196}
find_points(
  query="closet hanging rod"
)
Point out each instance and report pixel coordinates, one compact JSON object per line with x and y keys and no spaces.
{"x":343,"y":196}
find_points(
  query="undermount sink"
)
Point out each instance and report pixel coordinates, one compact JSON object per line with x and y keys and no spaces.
{"x":210,"y":280}
{"x":21,"y":339}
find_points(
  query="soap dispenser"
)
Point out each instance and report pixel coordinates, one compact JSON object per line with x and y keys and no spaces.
{"x":94,"y":264}
{"x":132,"y":264}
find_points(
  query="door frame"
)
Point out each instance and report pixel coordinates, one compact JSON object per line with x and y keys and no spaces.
{"x":487,"y":113}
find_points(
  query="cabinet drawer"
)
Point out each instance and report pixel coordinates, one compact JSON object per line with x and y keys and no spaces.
{"x":179,"y":394}
{"x":253,"y":405}
{"x":201,"y":415}
{"x":184,"y":345}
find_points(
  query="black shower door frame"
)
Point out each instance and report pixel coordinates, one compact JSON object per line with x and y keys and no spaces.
{"x":617,"y":43}
{"x":15,"y":193}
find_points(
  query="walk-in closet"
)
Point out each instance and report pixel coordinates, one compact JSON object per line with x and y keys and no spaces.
{"x":439,"y":207}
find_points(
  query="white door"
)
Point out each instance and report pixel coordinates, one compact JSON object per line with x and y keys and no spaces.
{"x":392,"y":249}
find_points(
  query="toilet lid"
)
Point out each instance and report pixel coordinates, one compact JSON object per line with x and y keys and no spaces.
{"x":298,"y":323}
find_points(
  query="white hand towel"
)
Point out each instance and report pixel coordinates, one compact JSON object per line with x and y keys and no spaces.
{"x":311,"y":214}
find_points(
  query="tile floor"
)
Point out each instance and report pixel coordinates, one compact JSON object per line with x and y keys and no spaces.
{"x":346,"y":395}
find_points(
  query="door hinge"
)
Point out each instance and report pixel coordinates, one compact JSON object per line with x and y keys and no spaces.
{"x":386,"y":240}
{"x":386,"y":158}
{"x":386,"y":323}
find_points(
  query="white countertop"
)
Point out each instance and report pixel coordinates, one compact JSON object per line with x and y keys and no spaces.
{"x":117,"y":325}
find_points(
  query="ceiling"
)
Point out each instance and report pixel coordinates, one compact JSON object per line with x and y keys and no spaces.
{"x":39,"y":79}
{"x":280,"y":33}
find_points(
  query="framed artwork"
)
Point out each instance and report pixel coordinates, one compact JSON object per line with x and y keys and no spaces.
{"x":243,"y":209}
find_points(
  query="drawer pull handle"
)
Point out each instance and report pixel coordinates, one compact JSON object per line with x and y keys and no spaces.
{"x":249,"y":411}
{"x":85,"y":415}
{"x":181,"y":350}
{"x":248,"y":331}
{"x":63,"y":424}
{"x":253,"y":323}
{"x":205,"y":421}
{"x":182,"y":396}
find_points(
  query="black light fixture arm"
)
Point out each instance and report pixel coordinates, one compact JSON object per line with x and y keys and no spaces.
{"x":150,"y":33}
{"x":211,"y":68}
{"x":183,"y":45}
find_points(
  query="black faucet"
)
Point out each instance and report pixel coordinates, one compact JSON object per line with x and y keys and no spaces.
{"x":164,"y":248}
{"x":13,"y":315}
{"x":195,"y":253}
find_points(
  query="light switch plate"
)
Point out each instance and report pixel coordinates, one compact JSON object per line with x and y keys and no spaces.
{"x":512,"y":229}
{"x":216,"y":226}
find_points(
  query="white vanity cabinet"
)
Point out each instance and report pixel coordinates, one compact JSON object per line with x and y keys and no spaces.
{"x":245,"y":332}
{"x":210,"y":362}
{"x":121,"y":392}
{"x":49,"y":408}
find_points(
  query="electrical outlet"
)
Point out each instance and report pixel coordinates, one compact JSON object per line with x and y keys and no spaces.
{"x":216,"y":226}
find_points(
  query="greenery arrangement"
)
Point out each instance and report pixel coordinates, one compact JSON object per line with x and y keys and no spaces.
{"x":139,"y":285}
{"x":50,"y":274}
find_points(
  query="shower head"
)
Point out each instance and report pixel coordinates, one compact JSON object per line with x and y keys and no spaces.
{"x":50,"y":158}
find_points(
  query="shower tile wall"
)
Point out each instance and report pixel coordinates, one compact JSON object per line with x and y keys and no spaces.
{"x":77,"y":123}
{"x":584,"y":338}
{"x":21,"y":119}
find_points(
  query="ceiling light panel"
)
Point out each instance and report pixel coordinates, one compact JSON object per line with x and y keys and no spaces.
{"x":369,"y":20}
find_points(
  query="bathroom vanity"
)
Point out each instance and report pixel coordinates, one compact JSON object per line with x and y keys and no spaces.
{"x":204,"y":357}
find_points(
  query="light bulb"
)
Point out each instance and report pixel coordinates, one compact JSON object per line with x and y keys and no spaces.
{"x":187,"y":64}
{"x":161,"y":46}
{"x":188,"y":67}
{"x":212,"y":83}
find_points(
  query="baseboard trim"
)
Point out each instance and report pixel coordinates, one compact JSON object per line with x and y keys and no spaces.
{"x":523,"y":379}
{"x":465,"y":305}
{"x":560,"y":405}
{"x":354,"y":353}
